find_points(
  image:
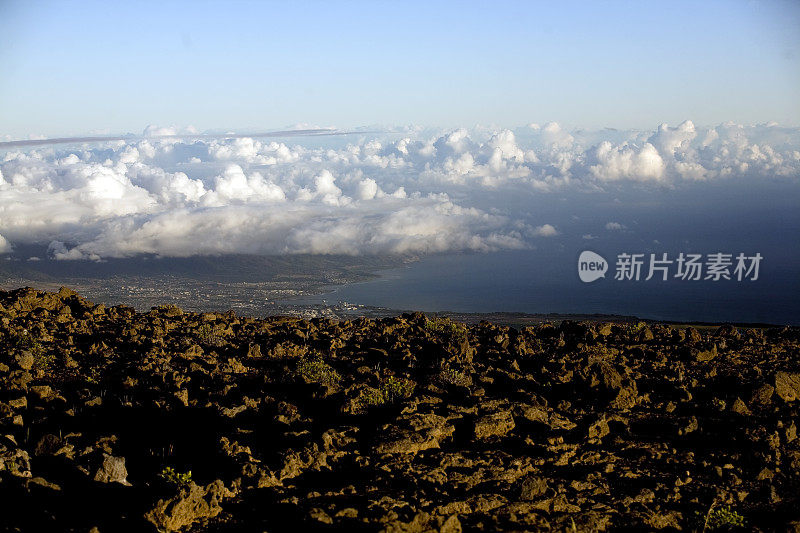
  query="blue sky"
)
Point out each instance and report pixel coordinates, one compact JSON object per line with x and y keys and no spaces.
{"x":78,"y":67}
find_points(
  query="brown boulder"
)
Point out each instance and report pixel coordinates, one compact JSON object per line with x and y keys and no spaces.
{"x":192,"y":503}
{"x":787,"y":385}
{"x":112,"y":470}
{"x":497,"y":424}
{"x":414,"y":433}
{"x":532,"y":488}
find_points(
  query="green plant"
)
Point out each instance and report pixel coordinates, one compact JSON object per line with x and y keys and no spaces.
{"x":445,"y":326}
{"x":313,"y":368}
{"x":27,"y":342}
{"x":636,"y":328}
{"x":721,"y":518}
{"x":42,"y":359}
{"x":45,"y":361}
{"x":390,"y":390}
{"x":453,"y":376}
{"x":205,"y":334}
{"x":171,"y":476}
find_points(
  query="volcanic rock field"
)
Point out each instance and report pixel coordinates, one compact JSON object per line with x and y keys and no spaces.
{"x":113,"y":420}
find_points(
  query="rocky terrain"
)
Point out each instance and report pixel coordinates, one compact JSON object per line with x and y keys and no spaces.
{"x":113,"y":420}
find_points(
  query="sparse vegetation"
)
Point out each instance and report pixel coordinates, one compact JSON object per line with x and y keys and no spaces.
{"x":722,"y":517}
{"x":453,"y":376}
{"x":391,"y":390}
{"x":24,"y":341}
{"x":205,"y":334}
{"x":45,"y":361}
{"x":445,"y":326}
{"x":313,"y":368}
{"x":173,"y":477}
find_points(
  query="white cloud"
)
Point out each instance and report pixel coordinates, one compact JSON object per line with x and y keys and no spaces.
{"x":614,"y":226}
{"x":627,"y":162}
{"x":555,"y":136}
{"x":545,"y":231}
{"x":668,"y":140}
{"x":506,"y":144}
{"x":367,"y":189}
{"x":325,"y":190}
{"x":410,"y":190}
{"x":157,"y":131}
{"x":234,"y":186}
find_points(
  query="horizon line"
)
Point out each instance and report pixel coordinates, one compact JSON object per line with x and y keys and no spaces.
{"x":321,"y":132}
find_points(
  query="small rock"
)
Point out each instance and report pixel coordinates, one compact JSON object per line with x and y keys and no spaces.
{"x":42,"y":392}
{"x":791,"y":432}
{"x":192,"y":503}
{"x":450,"y":524}
{"x":94,"y":402}
{"x":42,"y":482}
{"x":414,"y":433}
{"x":645,"y":335}
{"x":19,"y":379}
{"x":532,"y":488}
{"x":47,"y":445}
{"x":534,"y":413}
{"x":25,"y":360}
{"x":665,"y":519}
{"x":787,"y":385}
{"x":320,"y":516}
{"x":183,"y":397}
{"x":254,"y":350}
{"x":112,"y":470}
{"x":626,"y":398}
{"x":706,"y":355}
{"x":497,"y":424}
{"x":763,"y":394}
{"x":193,"y":351}
{"x":347,"y":512}
{"x":692,"y":335}
{"x":19,"y":403}
{"x":728,"y":331}
{"x":765,"y":473}
{"x":599,"y":429}
{"x":17,"y":462}
{"x":691,"y":426}
{"x":740,"y":407}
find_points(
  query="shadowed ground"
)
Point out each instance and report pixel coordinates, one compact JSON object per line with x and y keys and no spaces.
{"x":169,"y":420}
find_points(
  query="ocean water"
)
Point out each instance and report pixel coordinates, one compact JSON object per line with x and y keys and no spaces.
{"x":532,"y":282}
{"x":732,"y":219}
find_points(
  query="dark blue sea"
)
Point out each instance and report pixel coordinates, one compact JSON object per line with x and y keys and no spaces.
{"x":730,"y":220}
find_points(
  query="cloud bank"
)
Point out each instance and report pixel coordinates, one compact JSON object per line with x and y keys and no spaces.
{"x":403,"y":191}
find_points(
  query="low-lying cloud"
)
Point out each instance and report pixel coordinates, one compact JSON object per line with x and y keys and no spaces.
{"x":404,"y":191}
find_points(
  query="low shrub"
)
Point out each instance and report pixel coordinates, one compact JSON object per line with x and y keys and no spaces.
{"x":172,"y":477}
{"x":313,"y":368}
{"x":391,"y":390}
{"x":722,"y":517}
